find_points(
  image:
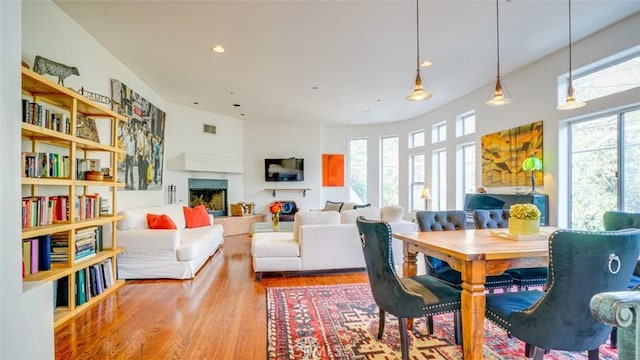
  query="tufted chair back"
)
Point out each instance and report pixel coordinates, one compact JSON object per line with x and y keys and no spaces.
{"x":440,"y":221}
{"x":581,"y":264}
{"x":618,"y":220}
{"x":491,"y":219}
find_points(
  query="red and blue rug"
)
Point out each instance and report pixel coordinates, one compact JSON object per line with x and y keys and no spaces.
{"x":341,"y":322}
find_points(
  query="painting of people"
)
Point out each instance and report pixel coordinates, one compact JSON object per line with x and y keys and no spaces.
{"x":142,"y":138}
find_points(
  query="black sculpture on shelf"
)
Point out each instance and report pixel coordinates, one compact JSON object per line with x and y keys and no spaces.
{"x":43,"y":65}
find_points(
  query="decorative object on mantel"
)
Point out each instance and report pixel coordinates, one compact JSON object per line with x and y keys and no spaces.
{"x":524,"y":219}
{"x":418,"y":93}
{"x":570,"y":102}
{"x":275,"y":209}
{"x":500,"y":93}
{"x":43,"y":66}
{"x":532,"y":164}
{"x":504,"y":151}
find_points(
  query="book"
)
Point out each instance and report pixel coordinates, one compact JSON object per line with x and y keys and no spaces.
{"x":62,"y":295}
{"x":34,"y":252}
{"x":81,"y":297}
{"x":26,"y":257}
{"x":44,"y":258}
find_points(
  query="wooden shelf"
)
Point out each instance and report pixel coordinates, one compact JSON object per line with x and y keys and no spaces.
{"x":274,"y":190}
{"x":38,"y":89}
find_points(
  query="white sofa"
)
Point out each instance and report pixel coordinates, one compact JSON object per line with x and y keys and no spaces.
{"x":174,"y":254}
{"x":323,"y":240}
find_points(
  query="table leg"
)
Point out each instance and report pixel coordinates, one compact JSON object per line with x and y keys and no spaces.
{"x":473,"y":308}
{"x":409,"y":268}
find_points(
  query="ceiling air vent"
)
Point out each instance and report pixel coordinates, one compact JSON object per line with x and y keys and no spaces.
{"x":211,"y":129}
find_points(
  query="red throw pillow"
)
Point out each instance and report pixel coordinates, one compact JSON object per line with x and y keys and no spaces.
{"x":196,"y":217}
{"x":160,"y":222}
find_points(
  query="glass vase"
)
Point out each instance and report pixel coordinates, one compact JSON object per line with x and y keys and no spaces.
{"x":275,"y":221}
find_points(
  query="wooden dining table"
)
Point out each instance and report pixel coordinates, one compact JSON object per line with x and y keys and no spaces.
{"x":475,"y":253}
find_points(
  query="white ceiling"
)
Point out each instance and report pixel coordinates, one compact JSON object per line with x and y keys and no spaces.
{"x":359,"y":54}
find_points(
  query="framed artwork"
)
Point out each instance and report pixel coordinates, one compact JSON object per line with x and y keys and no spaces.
{"x":86,"y":128}
{"x":142,"y":138}
{"x":503,"y":153}
{"x":332,"y":170}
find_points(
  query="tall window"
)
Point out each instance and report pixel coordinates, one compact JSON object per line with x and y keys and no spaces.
{"x":389,"y":151}
{"x":358,"y":170}
{"x":439,"y":180}
{"x":604,"y":167}
{"x":466,"y":124}
{"x":467,"y":168}
{"x":417,"y":176}
{"x":416,"y":139}
{"x":439,"y":132}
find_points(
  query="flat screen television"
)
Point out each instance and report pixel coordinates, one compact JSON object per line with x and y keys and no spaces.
{"x":290,"y":169}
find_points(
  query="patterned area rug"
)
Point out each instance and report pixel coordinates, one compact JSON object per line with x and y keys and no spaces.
{"x":341,"y":322}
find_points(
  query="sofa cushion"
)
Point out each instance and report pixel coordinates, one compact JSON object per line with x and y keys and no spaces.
{"x":313,"y":218}
{"x":332,"y":206}
{"x":137,"y":218}
{"x":160,"y":221}
{"x":194,"y":243}
{"x":391,"y":213}
{"x":350,"y":216}
{"x":266,"y":245}
{"x":196,"y":217}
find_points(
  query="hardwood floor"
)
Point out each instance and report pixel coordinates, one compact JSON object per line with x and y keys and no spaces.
{"x":221,"y":314}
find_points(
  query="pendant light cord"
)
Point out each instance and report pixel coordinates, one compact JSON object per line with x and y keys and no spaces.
{"x":417,"y":38}
{"x":570,"y":61}
{"x":498,"y":39}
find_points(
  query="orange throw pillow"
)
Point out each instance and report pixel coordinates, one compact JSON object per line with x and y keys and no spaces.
{"x":160,"y":222}
{"x":196,"y":217}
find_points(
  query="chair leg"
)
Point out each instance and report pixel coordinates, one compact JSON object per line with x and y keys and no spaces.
{"x":429,"y":324}
{"x":528,"y":350}
{"x":381,"y":324}
{"x":594,"y":354}
{"x":457,"y":328}
{"x":614,"y":338}
{"x":538,"y":353}
{"x":404,"y":341}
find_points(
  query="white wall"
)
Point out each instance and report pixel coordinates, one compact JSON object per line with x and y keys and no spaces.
{"x":26,"y":317}
{"x":184,"y":135}
{"x":281,"y":140}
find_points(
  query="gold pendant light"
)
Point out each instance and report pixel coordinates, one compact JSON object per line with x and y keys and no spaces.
{"x":570,"y":102}
{"x":418,"y":93}
{"x":499,"y":92}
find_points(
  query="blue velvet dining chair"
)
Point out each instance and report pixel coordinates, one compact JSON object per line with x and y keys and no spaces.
{"x":619,"y":220}
{"x":581,"y":264}
{"x":446,"y":221}
{"x":403,"y":297}
{"x":523,"y":278}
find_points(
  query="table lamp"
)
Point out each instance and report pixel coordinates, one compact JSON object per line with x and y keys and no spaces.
{"x":426,"y":195}
{"x":532,"y":164}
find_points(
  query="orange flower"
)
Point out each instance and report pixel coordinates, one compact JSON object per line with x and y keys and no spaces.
{"x":276,"y":207}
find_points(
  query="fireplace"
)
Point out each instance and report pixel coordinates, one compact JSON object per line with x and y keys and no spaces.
{"x":212,"y":193}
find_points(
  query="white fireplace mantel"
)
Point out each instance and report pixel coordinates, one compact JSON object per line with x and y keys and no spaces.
{"x":204,"y":162}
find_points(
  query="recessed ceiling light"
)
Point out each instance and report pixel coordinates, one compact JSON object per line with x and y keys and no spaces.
{"x":236,"y":105}
{"x":195,"y":103}
{"x":314,"y":87}
{"x":365,"y":110}
{"x":426,"y":63}
{"x":218,"y":49}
